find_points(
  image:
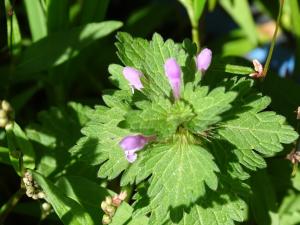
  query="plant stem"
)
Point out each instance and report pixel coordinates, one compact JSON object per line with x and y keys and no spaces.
{"x":195,"y":34}
{"x":266,"y":67}
{"x":10,"y":204}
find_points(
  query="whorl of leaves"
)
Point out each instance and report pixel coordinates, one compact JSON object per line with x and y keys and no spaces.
{"x":195,"y":171}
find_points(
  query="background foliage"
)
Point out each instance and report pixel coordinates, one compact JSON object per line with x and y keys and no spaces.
{"x":55,"y":61}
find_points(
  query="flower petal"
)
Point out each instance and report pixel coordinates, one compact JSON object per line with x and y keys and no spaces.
{"x":133,"y":76}
{"x":133,"y":143}
{"x":173,"y":72}
{"x":131,"y":157}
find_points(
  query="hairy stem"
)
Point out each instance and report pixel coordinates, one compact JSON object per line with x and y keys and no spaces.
{"x":10,"y":204}
{"x":195,"y":34}
{"x":266,"y":67}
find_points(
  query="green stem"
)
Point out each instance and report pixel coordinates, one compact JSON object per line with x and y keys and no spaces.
{"x":195,"y":34}
{"x":266,"y":67}
{"x":10,"y":204}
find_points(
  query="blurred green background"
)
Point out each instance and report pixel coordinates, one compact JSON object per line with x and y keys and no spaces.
{"x":56,"y":51}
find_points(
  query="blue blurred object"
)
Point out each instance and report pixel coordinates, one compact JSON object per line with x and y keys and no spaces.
{"x":283,"y":59}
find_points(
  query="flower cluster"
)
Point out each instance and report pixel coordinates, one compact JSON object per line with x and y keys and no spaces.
{"x":32,"y":188}
{"x":110,"y":205}
{"x":6,"y":114}
{"x":133,"y":143}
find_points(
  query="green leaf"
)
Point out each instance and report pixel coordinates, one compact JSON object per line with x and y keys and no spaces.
{"x":18,"y":141}
{"x":160,"y":118}
{"x":117,"y":77}
{"x":223,"y":209}
{"x":289,"y":211}
{"x":38,"y":27}
{"x":4,"y":155}
{"x":174,"y":168}
{"x":239,"y":10}
{"x":250,"y":159}
{"x":263,"y":200}
{"x":57,"y":15}
{"x":57,"y":131}
{"x":263,"y":132}
{"x":68,"y":210}
{"x":101,"y":142}
{"x":124,"y":216}
{"x":13,"y":30}
{"x":20,"y":100}
{"x":93,"y":11}
{"x":80,"y":189}
{"x":207,"y":106}
{"x":62,"y":46}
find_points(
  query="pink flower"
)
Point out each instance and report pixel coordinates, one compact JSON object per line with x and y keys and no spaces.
{"x":173,"y":72}
{"x":133,"y":76}
{"x":133,"y":143}
{"x":258,"y":69}
{"x":203,"y":60}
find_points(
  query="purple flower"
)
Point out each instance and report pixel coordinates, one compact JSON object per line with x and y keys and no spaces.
{"x":133,"y":76}
{"x":173,"y":72}
{"x":133,"y":143}
{"x":204,"y":59}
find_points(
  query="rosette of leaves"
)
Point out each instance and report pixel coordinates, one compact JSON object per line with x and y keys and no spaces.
{"x":196,"y":170}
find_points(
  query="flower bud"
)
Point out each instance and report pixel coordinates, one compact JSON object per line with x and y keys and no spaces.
{"x":3,"y":122}
{"x":46,"y":206}
{"x":173,"y":72}
{"x":106,"y":219}
{"x":103,"y":206}
{"x":6,"y":106}
{"x":203,"y":60}
{"x":2,"y":113}
{"x":41,"y":195}
{"x":122,"y":195}
{"x":258,"y":68}
{"x":110,"y":210}
{"x":133,"y":77}
{"x":108,"y":200}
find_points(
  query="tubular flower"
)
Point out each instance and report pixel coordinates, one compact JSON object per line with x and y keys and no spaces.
{"x":204,"y":59}
{"x":133,"y":76}
{"x":133,"y":143}
{"x":173,"y":72}
{"x":258,"y":69}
